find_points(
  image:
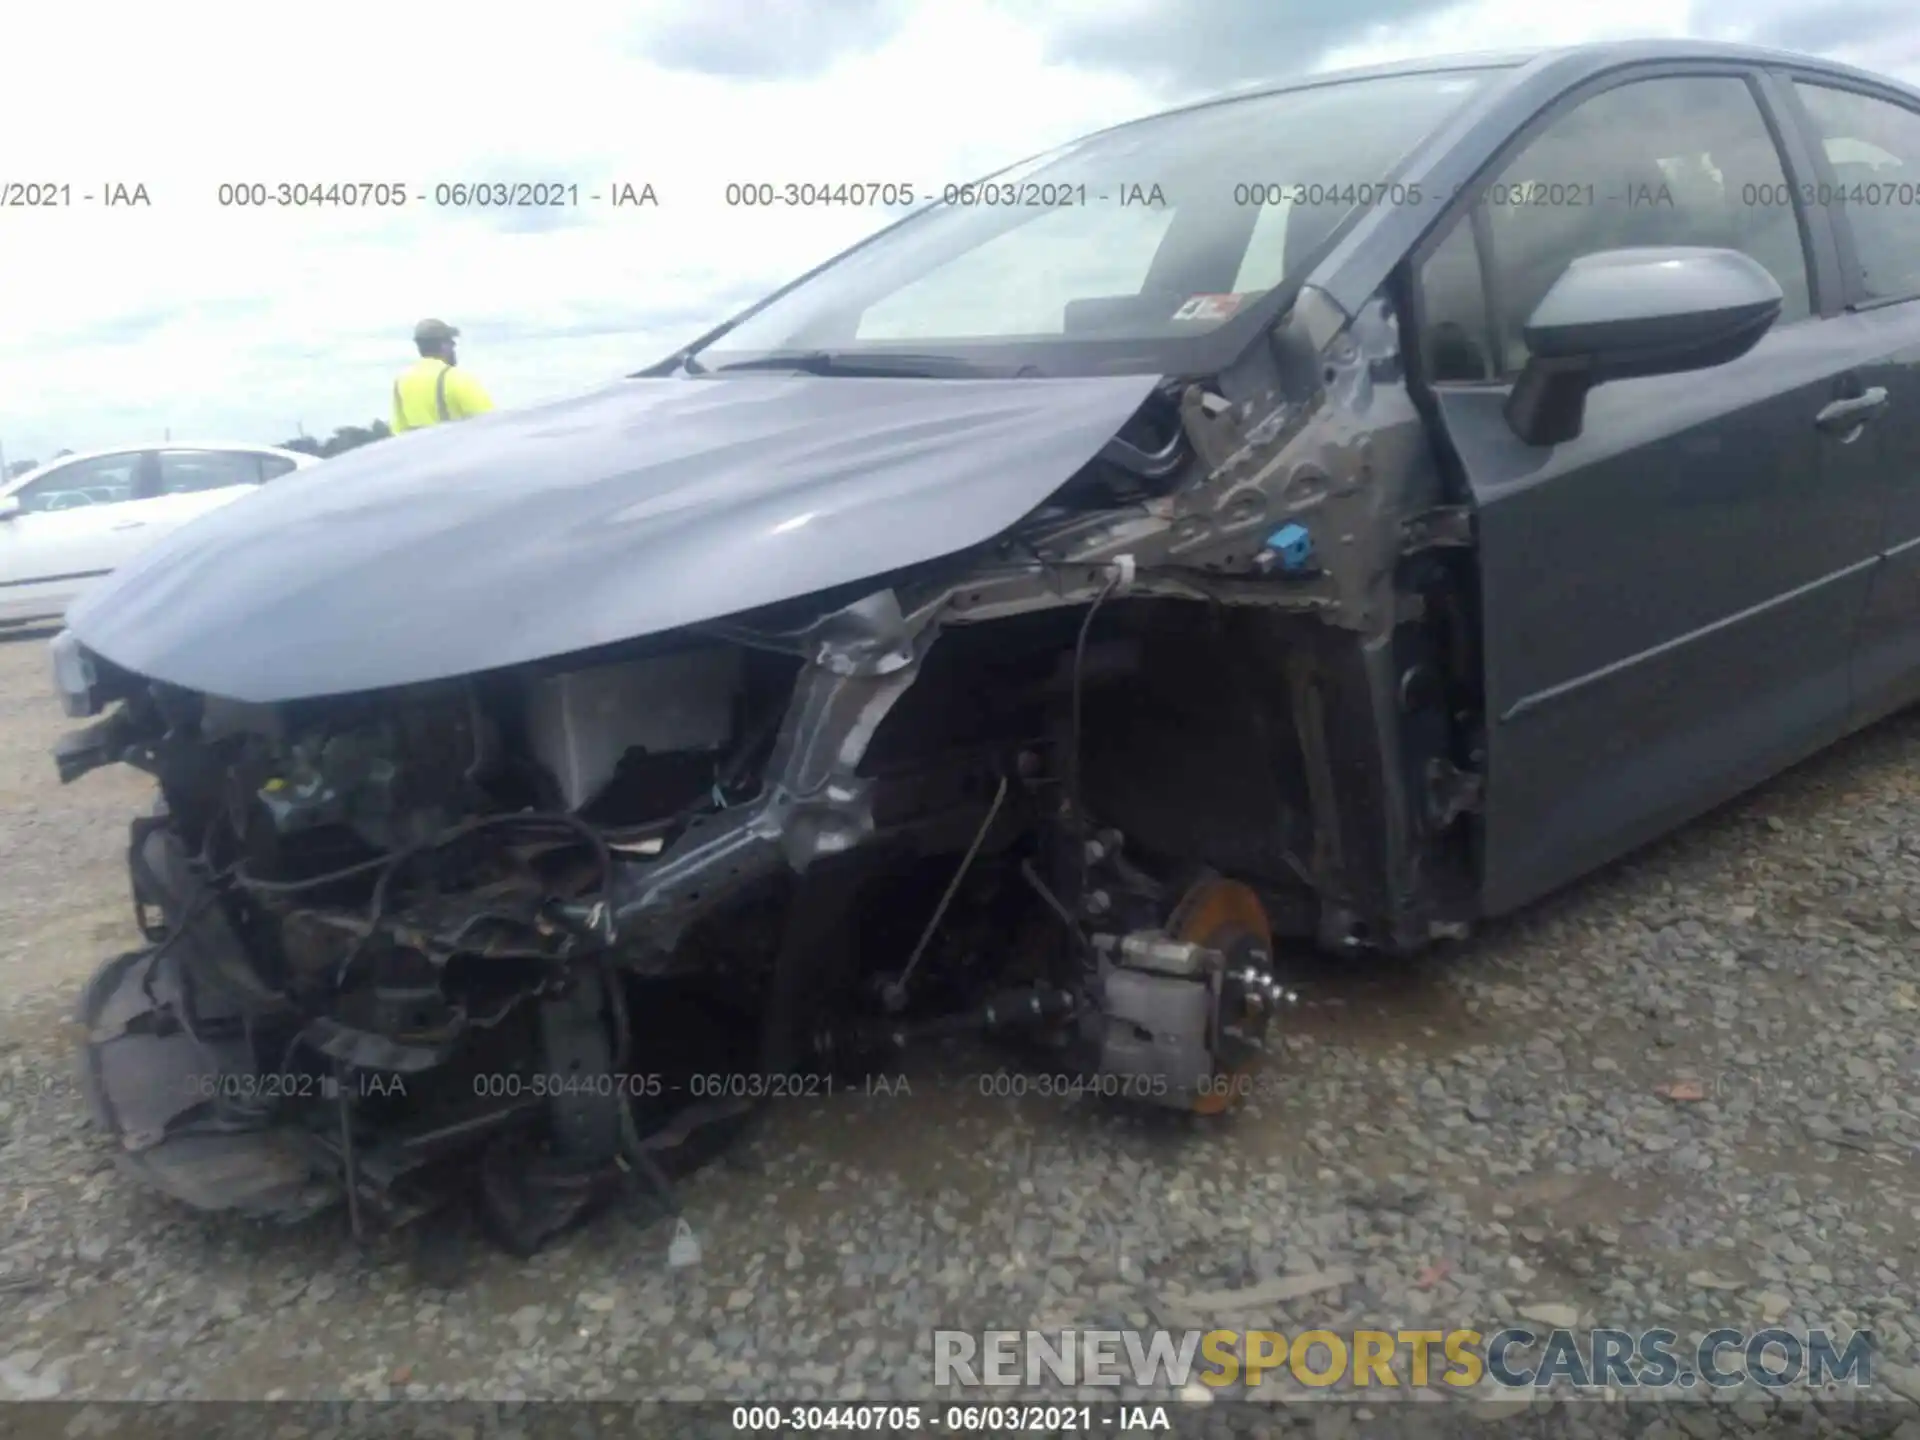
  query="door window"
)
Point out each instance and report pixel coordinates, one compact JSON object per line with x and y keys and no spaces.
{"x":272,"y":467}
{"x":1873,"y":147}
{"x":184,"y":472}
{"x":1686,"y":160}
{"x":108,"y":480}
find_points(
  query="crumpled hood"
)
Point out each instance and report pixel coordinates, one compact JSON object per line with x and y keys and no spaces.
{"x":635,"y":509}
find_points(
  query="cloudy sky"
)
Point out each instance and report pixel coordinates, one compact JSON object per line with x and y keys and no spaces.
{"x":118,"y":325}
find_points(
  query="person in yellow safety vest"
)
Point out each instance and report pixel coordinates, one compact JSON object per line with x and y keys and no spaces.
{"x":431,"y":390}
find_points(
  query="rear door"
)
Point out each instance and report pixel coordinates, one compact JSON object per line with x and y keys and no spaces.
{"x":1865,"y":145}
{"x":188,"y":483}
{"x":75,"y":524}
{"x":1669,"y":600}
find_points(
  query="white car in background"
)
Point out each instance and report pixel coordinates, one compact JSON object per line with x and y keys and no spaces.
{"x":75,"y":519}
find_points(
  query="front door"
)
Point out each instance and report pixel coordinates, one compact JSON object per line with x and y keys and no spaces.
{"x":75,"y":524}
{"x":189,"y":483}
{"x":1669,"y":600}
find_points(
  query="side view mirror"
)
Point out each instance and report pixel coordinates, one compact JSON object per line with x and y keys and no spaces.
{"x":9,"y":507}
{"x":1620,"y":314}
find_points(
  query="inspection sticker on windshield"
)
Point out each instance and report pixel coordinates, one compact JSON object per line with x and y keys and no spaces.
{"x":1208,"y":307}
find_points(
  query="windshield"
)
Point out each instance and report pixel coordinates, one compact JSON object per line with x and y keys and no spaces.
{"x":1158,"y":231}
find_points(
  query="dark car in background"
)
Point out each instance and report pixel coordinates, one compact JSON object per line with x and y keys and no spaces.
{"x":1327,"y":516}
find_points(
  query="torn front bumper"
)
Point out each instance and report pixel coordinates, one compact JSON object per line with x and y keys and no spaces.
{"x":158,"y":1090}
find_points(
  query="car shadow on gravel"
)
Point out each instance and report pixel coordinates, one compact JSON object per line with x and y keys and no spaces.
{"x":23,"y":633}
{"x":1803,"y":792}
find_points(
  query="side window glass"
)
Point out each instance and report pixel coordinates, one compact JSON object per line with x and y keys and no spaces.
{"x":272,"y":467}
{"x":182,"y":472}
{"x":1454,"y":339}
{"x":1874,"y":149}
{"x":1680,"y":161}
{"x":106,"y":481}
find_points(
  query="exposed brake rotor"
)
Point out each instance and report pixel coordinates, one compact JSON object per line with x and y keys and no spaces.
{"x":1227,"y":916}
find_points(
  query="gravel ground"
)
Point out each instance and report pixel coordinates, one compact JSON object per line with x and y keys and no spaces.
{"x":1469,"y":1141}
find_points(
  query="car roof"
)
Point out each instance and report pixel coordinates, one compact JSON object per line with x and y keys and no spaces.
{"x":1574,"y":62}
{"x":7,"y":487}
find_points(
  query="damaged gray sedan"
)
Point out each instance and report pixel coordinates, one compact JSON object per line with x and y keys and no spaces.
{"x":1321,"y":518}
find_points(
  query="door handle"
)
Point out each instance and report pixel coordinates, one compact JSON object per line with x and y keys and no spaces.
{"x":131,"y":525}
{"x":1853,"y":412}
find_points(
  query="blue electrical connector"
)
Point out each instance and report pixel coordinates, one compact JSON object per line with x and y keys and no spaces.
{"x":1289,"y":548}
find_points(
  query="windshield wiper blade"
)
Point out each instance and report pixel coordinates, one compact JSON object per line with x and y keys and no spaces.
{"x":812,"y":361}
{"x":880,"y":362}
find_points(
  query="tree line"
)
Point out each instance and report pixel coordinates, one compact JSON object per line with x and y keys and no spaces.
{"x":21,"y":467}
{"x":347,"y":437}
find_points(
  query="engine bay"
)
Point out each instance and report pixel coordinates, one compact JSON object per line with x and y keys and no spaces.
{"x":558,"y":922}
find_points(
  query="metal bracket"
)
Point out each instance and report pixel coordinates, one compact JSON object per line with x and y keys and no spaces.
{"x":574,"y":1046}
{"x":1451,"y":792}
{"x":149,"y":905}
{"x":1448,"y":526}
{"x":1214,"y":426}
{"x":104,"y":742}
